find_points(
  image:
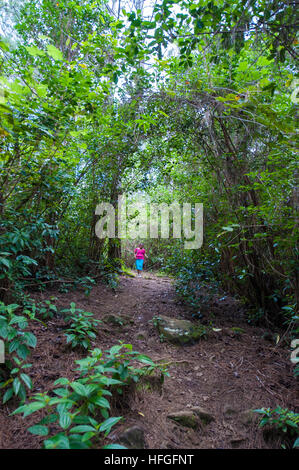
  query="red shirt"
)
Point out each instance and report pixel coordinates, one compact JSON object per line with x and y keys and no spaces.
{"x":139,"y":253}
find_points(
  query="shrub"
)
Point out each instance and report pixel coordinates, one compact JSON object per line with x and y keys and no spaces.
{"x":17,"y":342}
{"x":80,"y":409}
{"x":83,"y":327}
{"x":283,"y":419}
{"x":22,"y":246}
{"x":45,"y":309}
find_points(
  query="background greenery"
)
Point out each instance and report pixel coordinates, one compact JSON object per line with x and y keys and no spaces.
{"x":178,"y":100}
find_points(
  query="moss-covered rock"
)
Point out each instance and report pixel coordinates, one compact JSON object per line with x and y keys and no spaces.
{"x":188,"y":419}
{"x":117,"y":320}
{"x":179,"y":331}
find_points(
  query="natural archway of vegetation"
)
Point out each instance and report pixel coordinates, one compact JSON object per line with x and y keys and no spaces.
{"x":173,"y":103}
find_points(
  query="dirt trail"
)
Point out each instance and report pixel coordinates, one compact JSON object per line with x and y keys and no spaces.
{"x":226,"y":374}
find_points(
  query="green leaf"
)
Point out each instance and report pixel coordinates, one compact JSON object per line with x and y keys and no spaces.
{"x":114,"y":446}
{"x":145,"y":359}
{"x":109,"y":381}
{"x":5,"y":262}
{"x":7,"y":395}
{"x":101,"y":401}
{"x":243,"y":66}
{"x":34,"y":51}
{"x":65,"y":420}
{"x":76,"y":442}
{"x":108,"y":423}
{"x":39,"y":429}
{"x":30,"y":339}
{"x":16,"y":385}
{"x":41,"y":90}
{"x":54,"y":52}
{"x":52,"y":418}
{"x":61,"y":392}
{"x":23,"y":351}
{"x":60,"y":441}
{"x":4,"y":45}
{"x":27,"y":380}
{"x":79,"y":389}
{"x":83,"y":428}
{"x":30,"y":408}
{"x":62,"y":381}
{"x":296,"y":443}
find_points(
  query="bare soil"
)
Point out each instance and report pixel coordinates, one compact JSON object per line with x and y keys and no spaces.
{"x":227,"y":373}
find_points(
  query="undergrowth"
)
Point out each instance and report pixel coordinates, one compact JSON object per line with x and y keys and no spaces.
{"x":80,"y":409}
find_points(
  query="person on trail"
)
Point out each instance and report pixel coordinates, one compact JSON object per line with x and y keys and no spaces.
{"x":139,"y":254}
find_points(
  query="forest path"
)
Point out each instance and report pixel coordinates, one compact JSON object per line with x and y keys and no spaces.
{"x":226,"y":374}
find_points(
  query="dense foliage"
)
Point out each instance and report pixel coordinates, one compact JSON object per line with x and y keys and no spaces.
{"x":172,"y":100}
{"x":196,"y":104}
